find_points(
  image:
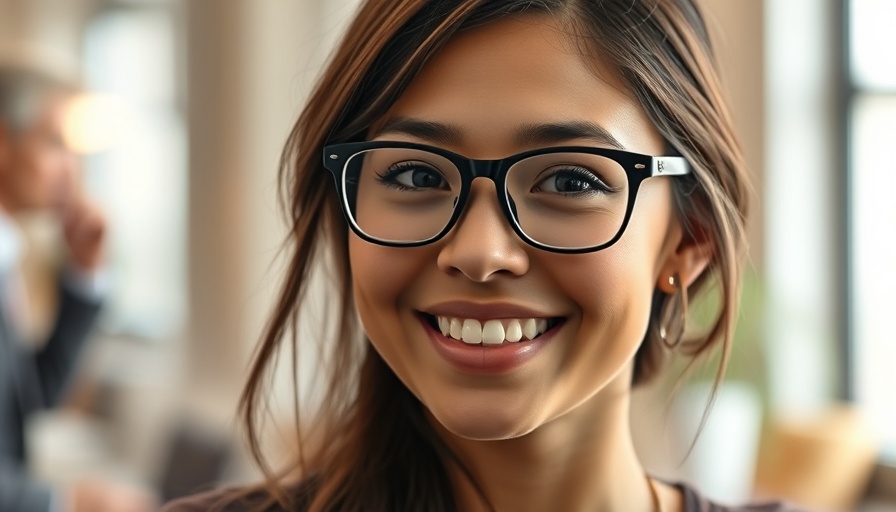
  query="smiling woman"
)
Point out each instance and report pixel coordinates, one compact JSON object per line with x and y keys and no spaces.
{"x":529,"y":193}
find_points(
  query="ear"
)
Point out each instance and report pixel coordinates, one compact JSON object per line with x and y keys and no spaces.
{"x":687,"y":262}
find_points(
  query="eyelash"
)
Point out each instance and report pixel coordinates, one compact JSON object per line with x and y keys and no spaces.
{"x":387,"y":178}
{"x":597,"y":184}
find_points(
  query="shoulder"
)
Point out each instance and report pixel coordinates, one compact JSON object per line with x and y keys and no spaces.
{"x":696,"y":502}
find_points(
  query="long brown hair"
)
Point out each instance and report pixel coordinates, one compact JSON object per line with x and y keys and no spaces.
{"x":372,"y":448}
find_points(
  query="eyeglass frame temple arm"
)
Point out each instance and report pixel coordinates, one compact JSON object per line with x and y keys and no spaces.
{"x":669,"y":166}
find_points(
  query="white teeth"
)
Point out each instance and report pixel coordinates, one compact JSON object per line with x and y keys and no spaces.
{"x":530,"y":328}
{"x":456,"y":328}
{"x":472,"y":332}
{"x":514,"y":331}
{"x":491,"y":332}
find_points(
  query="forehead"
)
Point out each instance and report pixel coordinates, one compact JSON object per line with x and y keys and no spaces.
{"x":521,"y":71}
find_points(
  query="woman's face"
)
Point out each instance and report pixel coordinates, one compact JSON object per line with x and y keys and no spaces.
{"x":480,"y":90}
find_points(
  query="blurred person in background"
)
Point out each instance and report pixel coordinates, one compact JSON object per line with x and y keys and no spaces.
{"x":39,"y":173}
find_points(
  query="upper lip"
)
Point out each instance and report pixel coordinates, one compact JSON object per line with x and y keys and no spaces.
{"x":483,"y":311}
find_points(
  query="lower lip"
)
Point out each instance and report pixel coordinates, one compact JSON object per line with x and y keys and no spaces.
{"x":486,"y":358}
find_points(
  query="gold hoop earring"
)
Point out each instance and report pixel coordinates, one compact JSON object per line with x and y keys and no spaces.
{"x":672,"y":323}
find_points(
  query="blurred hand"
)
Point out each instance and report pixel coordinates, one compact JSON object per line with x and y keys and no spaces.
{"x":99,"y":496}
{"x":84,"y":229}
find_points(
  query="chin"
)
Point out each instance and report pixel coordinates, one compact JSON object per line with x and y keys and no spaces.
{"x":485,"y":423}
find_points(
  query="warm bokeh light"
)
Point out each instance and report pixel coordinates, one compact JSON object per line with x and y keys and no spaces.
{"x":95,"y":122}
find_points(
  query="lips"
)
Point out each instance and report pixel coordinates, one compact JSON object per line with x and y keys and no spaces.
{"x":488,"y":339}
{"x":488,"y":324}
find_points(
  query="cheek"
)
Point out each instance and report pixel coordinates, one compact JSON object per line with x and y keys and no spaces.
{"x":381,"y":277}
{"x":35,"y":171}
{"x":27,"y":178}
{"x":614,"y":287}
{"x":379,"y":274}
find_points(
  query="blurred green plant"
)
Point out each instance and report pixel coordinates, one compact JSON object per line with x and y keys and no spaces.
{"x":747,"y":362}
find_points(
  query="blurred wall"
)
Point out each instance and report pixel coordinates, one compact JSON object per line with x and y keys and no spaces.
{"x":737,"y":30}
{"x":47,"y":30}
{"x":250,"y":67}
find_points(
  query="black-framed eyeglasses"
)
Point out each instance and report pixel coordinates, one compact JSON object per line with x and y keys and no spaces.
{"x":570,"y":199}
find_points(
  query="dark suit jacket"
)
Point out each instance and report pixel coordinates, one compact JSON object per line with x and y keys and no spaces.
{"x":32,"y":381}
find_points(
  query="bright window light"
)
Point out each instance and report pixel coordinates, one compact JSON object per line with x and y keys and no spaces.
{"x":873,"y":228}
{"x":873,"y":45}
{"x":141,"y":179}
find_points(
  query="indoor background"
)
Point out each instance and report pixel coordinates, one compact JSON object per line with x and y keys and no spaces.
{"x":191,"y":102}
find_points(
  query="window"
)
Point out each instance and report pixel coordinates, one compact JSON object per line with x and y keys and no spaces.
{"x":129,"y":55}
{"x":871,"y":136}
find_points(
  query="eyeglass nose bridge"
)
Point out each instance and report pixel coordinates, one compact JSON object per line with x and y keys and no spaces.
{"x":492,"y":170}
{"x":496,"y":171}
{"x":488,"y":169}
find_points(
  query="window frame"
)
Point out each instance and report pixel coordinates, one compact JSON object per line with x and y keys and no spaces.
{"x":882,"y":487}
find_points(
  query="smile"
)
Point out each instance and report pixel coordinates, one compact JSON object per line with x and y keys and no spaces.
{"x":491,"y":332}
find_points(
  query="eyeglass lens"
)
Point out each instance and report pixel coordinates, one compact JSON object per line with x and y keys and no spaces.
{"x":567,"y":200}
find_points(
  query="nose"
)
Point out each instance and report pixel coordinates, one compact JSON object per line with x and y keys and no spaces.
{"x":482,"y":245}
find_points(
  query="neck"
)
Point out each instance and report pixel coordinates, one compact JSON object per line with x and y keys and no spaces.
{"x":582,"y":460}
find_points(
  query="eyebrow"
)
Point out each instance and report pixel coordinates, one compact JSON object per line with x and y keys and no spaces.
{"x":552,"y":133}
{"x":526,"y":135}
{"x":420,"y":129}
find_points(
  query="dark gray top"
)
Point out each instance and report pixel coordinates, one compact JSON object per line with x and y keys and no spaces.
{"x":225,"y":501}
